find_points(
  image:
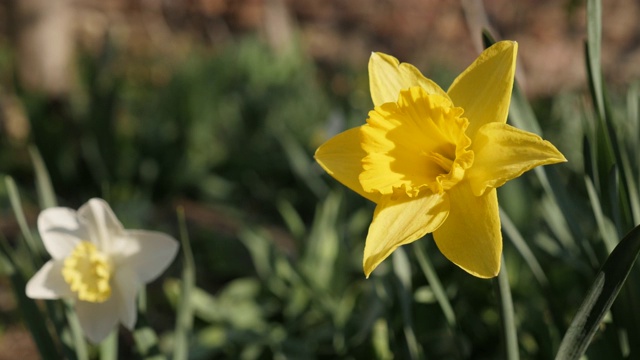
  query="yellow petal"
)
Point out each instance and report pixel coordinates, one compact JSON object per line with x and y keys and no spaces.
{"x":470,"y":237}
{"x":503,"y":152}
{"x":401,"y":221}
{"x":341,"y":157}
{"x":483,"y":90}
{"x":387,"y":77}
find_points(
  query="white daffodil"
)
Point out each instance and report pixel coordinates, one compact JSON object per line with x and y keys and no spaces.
{"x":99,"y":264}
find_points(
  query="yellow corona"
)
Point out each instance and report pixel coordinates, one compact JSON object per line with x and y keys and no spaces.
{"x":88,"y":273}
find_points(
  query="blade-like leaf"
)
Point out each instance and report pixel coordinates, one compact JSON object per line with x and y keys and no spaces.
{"x":436,"y":285}
{"x":35,"y":249}
{"x":605,"y":226}
{"x":509,"y":228}
{"x":600,"y":297}
{"x":402,"y":270}
{"x":33,"y":317}
{"x":46,"y":195}
{"x":507,"y":313}
{"x":594,"y":36}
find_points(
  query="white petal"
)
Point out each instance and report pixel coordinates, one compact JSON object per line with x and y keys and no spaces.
{"x":101,"y":222}
{"x":97,"y":319}
{"x":146,"y":253}
{"x":126,"y":286}
{"x":60,"y":231}
{"x":48,"y":282}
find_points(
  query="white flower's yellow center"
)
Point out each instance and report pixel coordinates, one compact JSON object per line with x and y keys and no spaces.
{"x":88,"y":272}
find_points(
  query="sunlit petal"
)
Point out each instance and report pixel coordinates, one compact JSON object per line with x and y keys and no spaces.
{"x":60,"y":231}
{"x":102,"y":223}
{"x":503,"y":152}
{"x":399,"y":222}
{"x":470,"y":237}
{"x":387,"y":77}
{"x":341,"y":157}
{"x":146,"y":253}
{"x":483,"y":90}
{"x":97,"y":319}
{"x":125,"y":294}
{"x":48,"y":283}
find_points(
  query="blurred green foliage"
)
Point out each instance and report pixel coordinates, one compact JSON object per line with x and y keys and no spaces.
{"x":229,"y":135}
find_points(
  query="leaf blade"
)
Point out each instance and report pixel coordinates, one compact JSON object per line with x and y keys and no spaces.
{"x":600,"y":297}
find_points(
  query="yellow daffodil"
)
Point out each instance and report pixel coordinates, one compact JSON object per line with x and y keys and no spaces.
{"x":99,"y":264}
{"x":431,"y":160}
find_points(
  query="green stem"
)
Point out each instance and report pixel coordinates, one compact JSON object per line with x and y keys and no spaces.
{"x":184,"y":317}
{"x":109,"y":347}
{"x":77,"y":334}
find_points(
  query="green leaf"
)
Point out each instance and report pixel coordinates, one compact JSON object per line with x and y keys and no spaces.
{"x":523,"y":248}
{"x":633,"y":114}
{"x":503,"y":290}
{"x":600,"y":297}
{"x":35,"y":321}
{"x":402,"y":271}
{"x":35,"y":251}
{"x":436,"y":285}
{"x":594,"y":38}
{"x":589,"y":160}
{"x":300,"y":163}
{"x":46,"y":195}
{"x":323,"y":244}
{"x":605,"y":226}
{"x":292,"y":219}
{"x":380,"y":340}
{"x":607,"y":145}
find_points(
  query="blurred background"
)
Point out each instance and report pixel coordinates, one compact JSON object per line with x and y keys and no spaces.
{"x":218,"y":105}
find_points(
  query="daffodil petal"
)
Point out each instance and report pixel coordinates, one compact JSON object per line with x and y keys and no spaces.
{"x":146,"y":253}
{"x":399,"y":222}
{"x":503,"y":152}
{"x":483,"y":90}
{"x":97,"y":320}
{"x":470,"y":237}
{"x":60,"y":231}
{"x":125,"y":293}
{"x":102,"y":223}
{"x":387,"y":77}
{"x":48,"y":282}
{"x":341,"y":157}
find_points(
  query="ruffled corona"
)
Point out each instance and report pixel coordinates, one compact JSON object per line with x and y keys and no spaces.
{"x":88,"y":271}
{"x":416,"y":144}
